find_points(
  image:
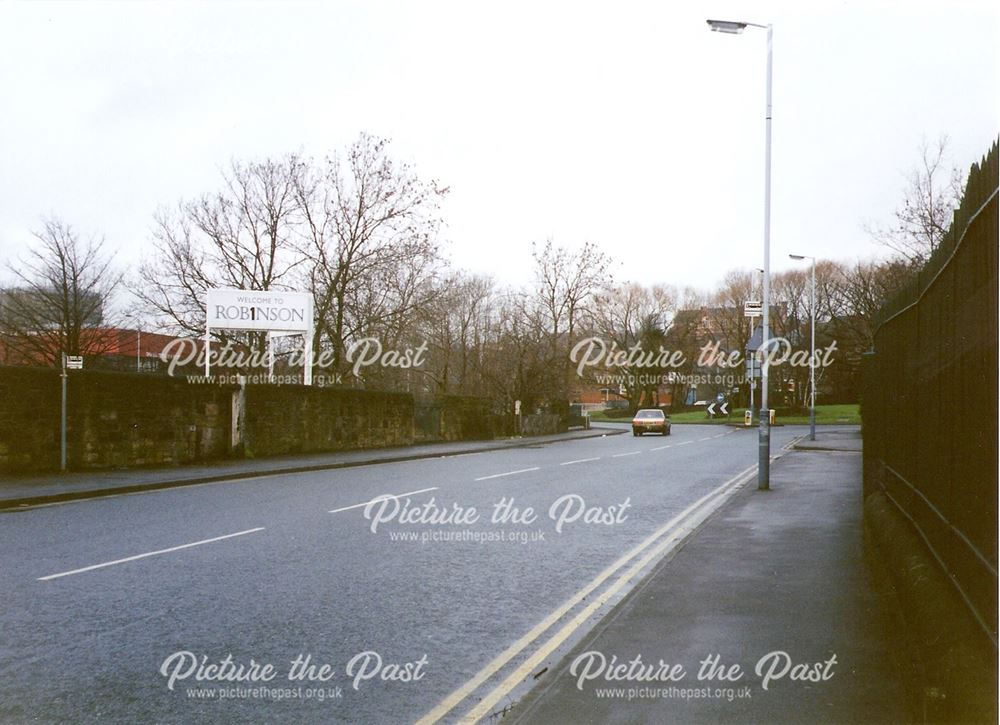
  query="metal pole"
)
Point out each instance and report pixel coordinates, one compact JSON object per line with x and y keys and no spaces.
{"x":137,"y":346}
{"x":764,"y":435}
{"x":812,"y":360}
{"x":62,"y":425}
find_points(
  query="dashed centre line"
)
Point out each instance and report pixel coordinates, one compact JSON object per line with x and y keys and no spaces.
{"x":147,"y":554}
{"x":621,"y":455}
{"x":580,"y":460}
{"x":508,"y":473}
{"x":381,"y":498}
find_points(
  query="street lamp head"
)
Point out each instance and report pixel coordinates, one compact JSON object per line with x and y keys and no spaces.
{"x":796,"y":256}
{"x":726,"y":26}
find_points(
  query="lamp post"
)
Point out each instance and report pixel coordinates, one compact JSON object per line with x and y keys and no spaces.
{"x":764,"y":430}
{"x":753,"y":381}
{"x":812,"y":345}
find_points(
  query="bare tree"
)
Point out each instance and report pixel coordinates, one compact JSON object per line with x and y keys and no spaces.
{"x":370,"y":235}
{"x":516,"y":364}
{"x":241,"y":237}
{"x":457,"y":326}
{"x":629,"y":315}
{"x":566,"y":283}
{"x":62,"y":300}
{"x":865,"y":287}
{"x":933,"y":191}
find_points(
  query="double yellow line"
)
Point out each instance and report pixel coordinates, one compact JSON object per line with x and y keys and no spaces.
{"x":655,"y":546}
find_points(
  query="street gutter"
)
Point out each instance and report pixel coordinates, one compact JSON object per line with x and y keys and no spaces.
{"x":28,"y":502}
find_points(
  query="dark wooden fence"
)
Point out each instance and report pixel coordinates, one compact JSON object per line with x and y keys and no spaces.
{"x":929,"y":402}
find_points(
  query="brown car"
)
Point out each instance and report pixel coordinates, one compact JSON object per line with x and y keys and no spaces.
{"x":650,"y":420}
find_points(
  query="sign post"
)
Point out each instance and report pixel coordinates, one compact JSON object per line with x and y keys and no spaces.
{"x":752,"y":309}
{"x":62,"y":419}
{"x":69,"y":362}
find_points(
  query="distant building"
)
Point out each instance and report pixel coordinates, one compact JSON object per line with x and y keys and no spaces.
{"x":38,"y":309}
{"x":111,"y":348}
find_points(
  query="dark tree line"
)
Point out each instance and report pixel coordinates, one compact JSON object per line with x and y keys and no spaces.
{"x":361,"y":232}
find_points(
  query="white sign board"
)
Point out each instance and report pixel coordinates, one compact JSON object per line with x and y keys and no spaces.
{"x":74,"y":362}
{"x":235,"y":309}
{"x":271,"y":312}
{"x":752,"y":308}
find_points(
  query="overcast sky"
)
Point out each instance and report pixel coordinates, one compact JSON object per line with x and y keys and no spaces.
{"x":626,"y":124}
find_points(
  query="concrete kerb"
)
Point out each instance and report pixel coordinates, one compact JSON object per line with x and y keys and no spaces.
{"x":28,"y":502}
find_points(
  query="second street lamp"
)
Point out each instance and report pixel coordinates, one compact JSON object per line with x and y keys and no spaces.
{"x":812,"y":345}
{"x":764,"y":431}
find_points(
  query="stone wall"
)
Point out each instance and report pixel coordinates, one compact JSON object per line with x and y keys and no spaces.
{"x":298,"y":419}
{"x":113,"y":420}
{"x":118,"y":420}
{"x":541,"y":424}
{"x":29,"y":419}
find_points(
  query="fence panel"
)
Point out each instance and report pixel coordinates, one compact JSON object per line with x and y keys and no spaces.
{"x":930,"y":401}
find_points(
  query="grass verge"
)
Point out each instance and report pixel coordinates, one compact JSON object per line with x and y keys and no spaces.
{"x":825,"y":415}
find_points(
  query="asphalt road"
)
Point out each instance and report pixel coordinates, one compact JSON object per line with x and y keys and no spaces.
{"x":102,"y":597}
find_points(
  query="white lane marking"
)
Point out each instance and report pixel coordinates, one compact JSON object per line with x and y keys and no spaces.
{"x":620,"y":455}
{"x":684,"y":443}
{"x":147,"y":554}
{"x":456,"y":697}
{"x":706,"y":438}
{"x":660,"y":448}
{"x":579,"y":460}
{"x":720,"y":435}
{"x":381,"y":498}
{"x":508,"y":473}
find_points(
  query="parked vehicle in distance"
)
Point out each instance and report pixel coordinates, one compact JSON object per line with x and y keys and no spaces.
{"x":650,"y":420}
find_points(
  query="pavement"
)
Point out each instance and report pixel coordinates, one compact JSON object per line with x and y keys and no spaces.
{"x":33,"y":490}
{"x":776,"y":584}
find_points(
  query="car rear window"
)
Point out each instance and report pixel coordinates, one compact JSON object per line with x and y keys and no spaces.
{"x":649,"y":414}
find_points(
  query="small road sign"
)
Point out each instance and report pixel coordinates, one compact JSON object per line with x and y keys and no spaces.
{"x":723,"y":410}
{"x":74,"y":362}
{"x":752,"y":308}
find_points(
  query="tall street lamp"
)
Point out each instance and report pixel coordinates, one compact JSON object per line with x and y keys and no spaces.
{"x":764,"y":431}
{"x":753,"y":361}
{"x":812,"y":346}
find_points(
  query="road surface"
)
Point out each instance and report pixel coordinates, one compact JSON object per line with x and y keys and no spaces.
{"x":223,"y":602}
